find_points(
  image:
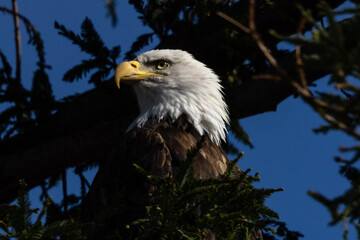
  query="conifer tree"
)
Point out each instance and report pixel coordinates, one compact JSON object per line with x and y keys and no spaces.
{"x":258,"y":77}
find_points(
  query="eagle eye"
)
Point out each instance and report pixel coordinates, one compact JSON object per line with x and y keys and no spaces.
{"x":161,"y":65}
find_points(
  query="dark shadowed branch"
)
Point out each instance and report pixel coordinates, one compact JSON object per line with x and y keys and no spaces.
{"x":17,"y":39}
{"x":302,"y":88}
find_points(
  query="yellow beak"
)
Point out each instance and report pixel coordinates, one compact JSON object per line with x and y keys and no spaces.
{"x":130,"y":71}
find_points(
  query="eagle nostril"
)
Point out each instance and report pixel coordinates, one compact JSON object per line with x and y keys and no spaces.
{"x":135,"y":64}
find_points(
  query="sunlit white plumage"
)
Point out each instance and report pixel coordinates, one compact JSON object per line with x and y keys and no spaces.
{"x":187,"y":87}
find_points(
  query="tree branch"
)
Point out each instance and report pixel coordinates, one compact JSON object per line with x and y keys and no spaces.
{"x":89,"y":127}
{"x":17,"y":40}
{"x":64,"y":189}
{"x":301,"y":89}
{"x":86,"y":130}
{"x":233,"y":21}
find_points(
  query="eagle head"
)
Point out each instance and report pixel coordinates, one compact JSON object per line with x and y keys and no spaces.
{"x":171,"y":83}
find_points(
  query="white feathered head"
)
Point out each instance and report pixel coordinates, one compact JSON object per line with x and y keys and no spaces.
{"x":170,"y":83}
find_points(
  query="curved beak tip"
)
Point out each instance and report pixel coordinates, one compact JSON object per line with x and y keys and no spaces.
{"x":117,"y":76}
{"x":117,"y":82}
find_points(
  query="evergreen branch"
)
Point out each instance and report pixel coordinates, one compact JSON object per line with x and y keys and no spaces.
{"x":317,"y":104}
{"x":228,"y":206}
{"x":43,"y":211}
{"x":76,"y":39}
{"x":142,"y":41}
{"x":34,"y":37}
{"x":16,"y":222}
{"x":89,"y":40}
{"x":231,"y":165}
{"x":99,"y":76}
{"x":79,"y":71}
{"x":240,"y":133}
{"x":15,"y":91}
{"x":102,"y":59}
{"x":328,"y":45}
{"x":92,"y":42}
{"x":114,"y":54}
{"x":6,"y":66}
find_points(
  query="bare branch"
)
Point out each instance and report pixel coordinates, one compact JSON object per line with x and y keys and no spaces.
{"x":233,"y":21}
{"x":26,"y":21}
{"x":256,"y":36}
{"x":267,"y":76}
{"x":299,"y":61}
{"x":341,"y":126}
{"x":301,"y":89}
{"x":64,"y":188}
{"x":83,"y":178}
{"x":17,"y":40}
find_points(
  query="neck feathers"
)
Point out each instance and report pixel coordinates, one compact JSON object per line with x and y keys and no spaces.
{"x":205,"y":110}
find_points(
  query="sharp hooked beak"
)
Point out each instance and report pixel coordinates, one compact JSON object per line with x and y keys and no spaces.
{"x":130,"y":71}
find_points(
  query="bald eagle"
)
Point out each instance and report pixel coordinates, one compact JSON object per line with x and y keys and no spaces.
{"x":181,"y":102}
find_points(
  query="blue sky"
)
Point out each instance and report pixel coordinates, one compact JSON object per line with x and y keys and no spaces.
{"x":287,"y":154}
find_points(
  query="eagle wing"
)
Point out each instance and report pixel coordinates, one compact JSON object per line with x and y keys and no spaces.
{"x":179,"y":137}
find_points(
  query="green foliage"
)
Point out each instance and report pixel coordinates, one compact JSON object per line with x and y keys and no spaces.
{"x":23,"y":108}
{"x":141,"y":41}
{"x":103,"y":59}
{"x":336,"y":48}
{"x":172,"y":17}
{"x":240,"y":133}
{"x":186,"y":207}
{"x":16,"y":221}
